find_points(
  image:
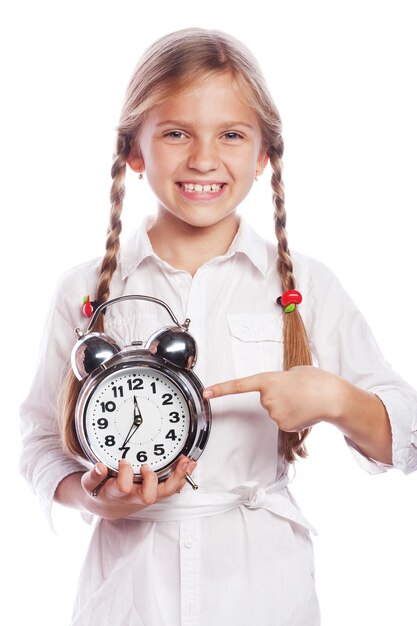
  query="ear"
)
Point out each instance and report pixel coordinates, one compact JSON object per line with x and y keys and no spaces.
{"x":135,"y":162}
{"x":261,"y":163}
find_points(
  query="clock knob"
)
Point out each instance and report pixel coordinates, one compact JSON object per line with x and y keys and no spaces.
{"x":90,"y":352}
{"x":175,"y":345}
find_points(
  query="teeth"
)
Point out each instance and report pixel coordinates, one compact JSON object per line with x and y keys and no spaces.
{"x":200,"y":188}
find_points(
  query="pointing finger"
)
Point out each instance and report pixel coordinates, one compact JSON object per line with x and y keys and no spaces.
{"x":239,"y":385}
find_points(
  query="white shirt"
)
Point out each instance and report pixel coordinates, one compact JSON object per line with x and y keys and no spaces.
{"x":237,"y":552}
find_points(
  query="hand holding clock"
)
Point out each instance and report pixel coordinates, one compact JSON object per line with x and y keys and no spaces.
{"x":121,"y":496}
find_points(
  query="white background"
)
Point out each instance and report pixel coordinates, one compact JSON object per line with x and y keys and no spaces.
{"x":343,"y":75}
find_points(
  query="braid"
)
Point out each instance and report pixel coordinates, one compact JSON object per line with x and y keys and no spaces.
{"x":285,"y":267}
{"x":117,"y":194}
{"x":72,"y":385}
{"x":296,"y":347}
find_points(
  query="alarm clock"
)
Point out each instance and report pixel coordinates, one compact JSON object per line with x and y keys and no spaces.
{"x":141,"y":402}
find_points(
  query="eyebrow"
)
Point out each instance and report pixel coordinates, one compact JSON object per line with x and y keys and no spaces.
{"x":180,"y":123}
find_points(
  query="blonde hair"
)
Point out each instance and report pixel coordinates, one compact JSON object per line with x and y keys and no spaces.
{"x":171,"y":65}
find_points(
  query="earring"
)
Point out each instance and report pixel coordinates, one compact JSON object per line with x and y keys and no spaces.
{"x":140,"y":176}
{"x":256,"y":177}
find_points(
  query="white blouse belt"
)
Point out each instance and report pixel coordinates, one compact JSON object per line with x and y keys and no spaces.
{"x":274,"y":498}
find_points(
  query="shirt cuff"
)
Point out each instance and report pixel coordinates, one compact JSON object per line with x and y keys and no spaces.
{"x":365,"y":462}
{"x":404,"y":434}
{"x":403,"y":419}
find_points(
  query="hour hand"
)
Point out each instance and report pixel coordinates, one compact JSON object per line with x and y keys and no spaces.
{"x":137,"y":416}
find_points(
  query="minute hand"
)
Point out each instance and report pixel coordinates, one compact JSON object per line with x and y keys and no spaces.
{"x":137,"y":421}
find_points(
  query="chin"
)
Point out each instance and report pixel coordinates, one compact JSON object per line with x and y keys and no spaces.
{"x":209,"y":222}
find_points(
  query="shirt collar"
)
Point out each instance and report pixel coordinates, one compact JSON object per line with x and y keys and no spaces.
{"x":138,"y":247}
{"x":249,"y":243}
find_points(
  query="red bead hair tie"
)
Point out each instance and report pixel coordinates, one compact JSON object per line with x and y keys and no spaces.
{"x":89,"y":307}
{"x":289,"y":300}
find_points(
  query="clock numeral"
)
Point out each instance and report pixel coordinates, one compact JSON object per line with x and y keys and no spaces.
{"x":174,"y":417}
{"x":168,"y":398}
{"x":153,"y":385}
{"x":118,"y":391}
{"x":158,"y":449}
{"x":102,"y":423}
{"x":171,"y":435}
{"x":135,"y":384}
{"x":125,"y":450}
{"x":108,"y":406}
{"x":142,"y":456}
{"x":109,"y":440}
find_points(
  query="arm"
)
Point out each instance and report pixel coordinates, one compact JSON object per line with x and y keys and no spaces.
{"x":42,"y":460}
{"x":364,"y":420}
{"x":354,"y":389}
{"x":53,"y":474}
{"x":342,"y":343}
{"x":305,"y":395}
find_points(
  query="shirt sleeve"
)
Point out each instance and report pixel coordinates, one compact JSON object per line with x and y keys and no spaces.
{"x":43,"y":462}
{"x":343,"y":344}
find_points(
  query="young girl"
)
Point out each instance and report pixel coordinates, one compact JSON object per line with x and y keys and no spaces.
{"x":199,"y":123}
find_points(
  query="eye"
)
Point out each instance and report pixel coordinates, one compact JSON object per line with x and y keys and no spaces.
{"x":232,"y":135}
{"x":175,"y":134}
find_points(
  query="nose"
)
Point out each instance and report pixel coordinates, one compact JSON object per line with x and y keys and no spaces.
{"x":203,"y":156}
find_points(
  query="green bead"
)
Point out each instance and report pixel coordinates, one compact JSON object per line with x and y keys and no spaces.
{"x":289,"y":308}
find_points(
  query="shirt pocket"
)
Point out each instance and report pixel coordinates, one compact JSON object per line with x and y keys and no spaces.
{"x":257,"y":342}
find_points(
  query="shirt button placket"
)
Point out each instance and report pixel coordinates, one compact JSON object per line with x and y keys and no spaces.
{"x":190,"y":529}
{"x":190,"y":570}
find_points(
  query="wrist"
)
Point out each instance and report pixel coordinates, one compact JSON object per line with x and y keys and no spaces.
{"x":340,"y":391}
{"x":70,"y":492}
{"x":335,"y":394}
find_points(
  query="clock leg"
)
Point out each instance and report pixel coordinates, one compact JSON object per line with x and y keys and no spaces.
{"x":190,"y":481}
{"x":96,"y":491}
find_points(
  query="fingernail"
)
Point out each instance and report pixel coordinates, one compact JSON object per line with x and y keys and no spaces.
{"x":208,"y":393}
{"x":98,"y":470}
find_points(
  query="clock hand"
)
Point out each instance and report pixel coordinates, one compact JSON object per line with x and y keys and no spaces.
{"x":137,"y":414}
{"x":137,"y":421}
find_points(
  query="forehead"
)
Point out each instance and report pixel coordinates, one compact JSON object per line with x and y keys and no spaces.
{"x":212,"y":98}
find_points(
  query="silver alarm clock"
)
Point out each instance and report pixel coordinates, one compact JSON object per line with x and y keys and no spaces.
{"x":141,"y":402}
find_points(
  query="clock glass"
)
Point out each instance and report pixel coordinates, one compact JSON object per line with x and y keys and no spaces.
{"x":137,"y":413}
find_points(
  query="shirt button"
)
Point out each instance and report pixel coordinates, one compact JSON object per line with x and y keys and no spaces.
{"x":188,"y":543}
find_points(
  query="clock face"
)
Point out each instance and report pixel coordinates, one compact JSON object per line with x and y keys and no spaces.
{"x":138,"y":413}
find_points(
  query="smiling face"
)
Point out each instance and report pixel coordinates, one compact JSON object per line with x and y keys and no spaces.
{"x":201,"y":150}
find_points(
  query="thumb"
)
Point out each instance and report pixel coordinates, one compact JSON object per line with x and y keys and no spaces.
{"x":90,"y":480}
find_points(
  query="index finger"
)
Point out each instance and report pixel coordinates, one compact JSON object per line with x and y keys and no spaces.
{"x":229,"y":387}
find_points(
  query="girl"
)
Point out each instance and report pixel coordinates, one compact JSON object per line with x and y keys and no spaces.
{"x":199,"y":122}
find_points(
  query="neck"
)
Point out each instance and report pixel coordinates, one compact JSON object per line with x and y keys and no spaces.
{"x":188,"y":247}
